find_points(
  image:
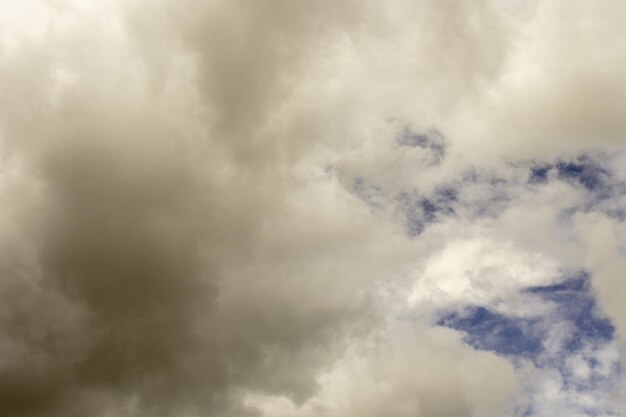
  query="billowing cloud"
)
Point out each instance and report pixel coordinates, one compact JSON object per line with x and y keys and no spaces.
{"x":316,"y":208}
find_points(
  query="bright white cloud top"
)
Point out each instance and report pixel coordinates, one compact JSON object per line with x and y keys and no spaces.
{"x":333,"y":208}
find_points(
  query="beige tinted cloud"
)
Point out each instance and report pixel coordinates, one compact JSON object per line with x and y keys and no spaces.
{"x":171,"y":237}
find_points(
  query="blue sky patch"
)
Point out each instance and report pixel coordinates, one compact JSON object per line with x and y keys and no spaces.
{"x":508,"y":335}
{"x":432,"y":141}
{"x":369,"y":193}
{"x":583,"y":171}
{"x":539,"y":173}
{"x":582,"y":329}
{"x":420,"y":211}
{"x":577,"y":305}
{"x":488,"y":330}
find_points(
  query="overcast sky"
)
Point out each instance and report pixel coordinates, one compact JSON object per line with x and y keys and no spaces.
{"x":312,"y":208}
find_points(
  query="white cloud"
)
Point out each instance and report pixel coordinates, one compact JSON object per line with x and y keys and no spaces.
{"x":480,"y":269}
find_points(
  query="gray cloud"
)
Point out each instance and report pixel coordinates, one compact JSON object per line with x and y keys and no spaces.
{"x":178,"y":235}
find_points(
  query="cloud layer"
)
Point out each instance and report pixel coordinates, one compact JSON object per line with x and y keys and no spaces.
{"x":264,"y":208}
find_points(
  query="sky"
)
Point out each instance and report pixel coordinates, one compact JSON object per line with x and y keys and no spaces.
{"x":312,"y":208}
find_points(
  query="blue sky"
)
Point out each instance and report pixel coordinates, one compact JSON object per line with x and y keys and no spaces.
{"x":577,"y":360}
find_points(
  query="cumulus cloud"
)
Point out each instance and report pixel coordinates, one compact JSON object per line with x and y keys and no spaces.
{"x":260,"y":208}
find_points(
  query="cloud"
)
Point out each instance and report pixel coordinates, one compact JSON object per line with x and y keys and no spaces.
{"x":235,"y":208}
{"x":394,"y":378}
{"x":559,"y":90}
